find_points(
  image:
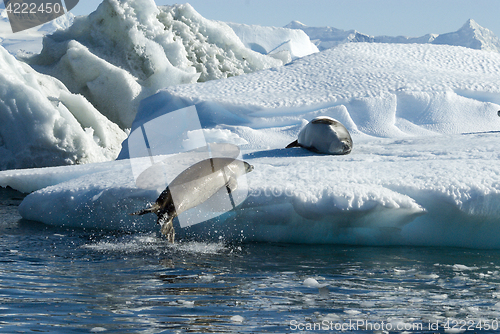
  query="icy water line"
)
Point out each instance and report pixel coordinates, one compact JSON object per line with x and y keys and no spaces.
{"x":79,"y":281}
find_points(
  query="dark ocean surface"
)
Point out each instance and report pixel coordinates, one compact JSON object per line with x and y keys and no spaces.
{"x":59,"y":280}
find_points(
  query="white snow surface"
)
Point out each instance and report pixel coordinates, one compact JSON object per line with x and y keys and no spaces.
{"x":384,"y":90}
{"x":423,"y":171}
{"x":127,"y":50}
{"x":43,"y":124}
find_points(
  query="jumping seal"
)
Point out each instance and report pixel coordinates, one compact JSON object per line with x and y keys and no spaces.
{"x":194,"y":186}
{"x":324,"y":135}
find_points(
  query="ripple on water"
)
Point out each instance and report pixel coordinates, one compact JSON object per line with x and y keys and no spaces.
{"x":73,"y":280}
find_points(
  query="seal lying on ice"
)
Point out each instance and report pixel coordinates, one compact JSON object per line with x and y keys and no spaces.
{"x":194,"y":186}
{"x":324,"y":135}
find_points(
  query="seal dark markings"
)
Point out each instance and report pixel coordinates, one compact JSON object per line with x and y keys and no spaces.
{"x":194,"y":186}
{"x":324,"y":135}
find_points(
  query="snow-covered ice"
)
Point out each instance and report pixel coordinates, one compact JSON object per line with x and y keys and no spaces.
{"x":436,"y":190}
{"x":127,"y":50}
{"x":423,"y":119}
{"x":424,"y":168}
{"x":100,"y":83}
{"x":44,"y":124}
{"x":384,"y":90}
{"x":114,"y":69}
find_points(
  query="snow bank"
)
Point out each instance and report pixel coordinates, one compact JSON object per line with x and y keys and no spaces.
{"x":127,"y":50}
{"x":43,"y":124}
{"x":273,"y":40}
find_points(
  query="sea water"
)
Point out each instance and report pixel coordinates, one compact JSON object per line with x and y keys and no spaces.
{"x":60,"y":280}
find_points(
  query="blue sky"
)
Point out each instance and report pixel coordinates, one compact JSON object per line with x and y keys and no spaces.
{"x":373,"y":17}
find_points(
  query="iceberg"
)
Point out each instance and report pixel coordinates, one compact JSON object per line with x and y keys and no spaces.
{"x":100,"y":83}
{"x":419,"y":191}
{"x":470,"y":35}
{"x":44,"y":124}
{"x":328,"y":37}
{"x":275,"y":41}
{"x":127,"y":50}
{"x":424,"y":169}
{"x":29,"y":41}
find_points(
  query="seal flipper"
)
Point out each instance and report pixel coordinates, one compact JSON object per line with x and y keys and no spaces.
{"x":167,"y":227}
{"x":153,"y":208}
{"x":293,"y":144}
